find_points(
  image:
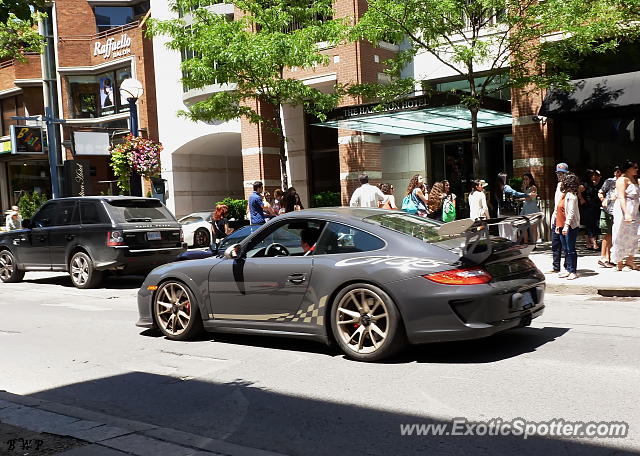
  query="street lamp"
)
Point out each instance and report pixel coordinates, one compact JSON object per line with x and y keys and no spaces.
{"x":130,"y":90}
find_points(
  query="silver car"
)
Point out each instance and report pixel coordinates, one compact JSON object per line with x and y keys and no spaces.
{"x":369,"y":280}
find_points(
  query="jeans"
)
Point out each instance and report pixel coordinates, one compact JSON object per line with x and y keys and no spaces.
{"x":556,"y":248}
{"x":569,"y":245}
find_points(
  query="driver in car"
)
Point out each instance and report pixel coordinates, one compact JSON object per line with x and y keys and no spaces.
{"x":308,"y":239}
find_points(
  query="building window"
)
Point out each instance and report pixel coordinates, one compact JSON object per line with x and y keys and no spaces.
{"x":108,"y":17}
{"x":98,"y":95}
{"x":11,"y":106}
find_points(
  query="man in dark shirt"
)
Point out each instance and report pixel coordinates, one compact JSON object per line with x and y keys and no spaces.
{"x":257,"y":206}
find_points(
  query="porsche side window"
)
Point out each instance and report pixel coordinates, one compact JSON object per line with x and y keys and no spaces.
{"x":339,"y":238}
{"x":295,"y":238}
{"x":45,"y":216}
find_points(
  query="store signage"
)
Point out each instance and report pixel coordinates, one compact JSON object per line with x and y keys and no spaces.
{"x":113,"y":48}
{"x":5,"y":147}
{"x":76,"y":178}
{"x":26,"y":140}
{"x":401,"y":105}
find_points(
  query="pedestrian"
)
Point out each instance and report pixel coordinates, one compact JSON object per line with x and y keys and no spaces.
{"x":220,"y":223}
{"x":607,"y":195}
{"x":277,"y":201}
{"x":567,"y":222}
{"x":449,"y":203}
{"x":389,"y":201}
{"x":366,"y":195}
{"x":13,"y":221}
{"x":436,"y":200}
{"x":530,"y":205}
{"x":478,"y":200}
{"x":508,"y":199}
{"x":292,"y":201}
{"x":590,"y":207}
{"x":556,"y":245}
{"x":416,"y":200}
{"x":258,"y":209}
{"x":625,"y":217}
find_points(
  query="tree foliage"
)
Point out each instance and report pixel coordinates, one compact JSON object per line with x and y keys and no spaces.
{"x":478,"y":39}
{"x":253,"y":53}
{"x":19,"y":36}
{"x":20,"y":9}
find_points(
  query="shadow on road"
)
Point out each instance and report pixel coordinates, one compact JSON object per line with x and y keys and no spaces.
{"x":491,"y":349}
{"x":245,"y":414}
{"x":110,"y":282}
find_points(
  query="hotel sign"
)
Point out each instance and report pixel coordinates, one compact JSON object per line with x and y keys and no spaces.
{"x":400,"y":105}
{"x":112,"y":47}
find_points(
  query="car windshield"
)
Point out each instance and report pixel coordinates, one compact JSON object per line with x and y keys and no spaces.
{"x":139,"y":210}
{"x":190,"y":219}
{"x":424,"y":229}
{"x":236,"y":237}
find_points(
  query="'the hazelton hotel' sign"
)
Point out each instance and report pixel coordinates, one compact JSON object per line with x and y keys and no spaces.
{"x":113,"y":48}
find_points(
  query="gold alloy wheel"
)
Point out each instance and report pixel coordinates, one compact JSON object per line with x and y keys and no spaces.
{"x":6,"y":265}
{"x":362,"y":318}
{"x":79,"y":270}
{"x":172,"y":307}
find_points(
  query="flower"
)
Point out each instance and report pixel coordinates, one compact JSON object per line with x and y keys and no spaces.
{"x":137,"y":154}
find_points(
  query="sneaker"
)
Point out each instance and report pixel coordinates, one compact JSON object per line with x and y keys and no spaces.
{"x":572,"y":276}
{"x":552,"y":271}
{"x":564,"y":274}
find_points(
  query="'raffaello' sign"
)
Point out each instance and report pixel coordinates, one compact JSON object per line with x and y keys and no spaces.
{"x":112,"y":47}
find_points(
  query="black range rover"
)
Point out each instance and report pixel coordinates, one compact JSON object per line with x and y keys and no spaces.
{"x":90,"y":235}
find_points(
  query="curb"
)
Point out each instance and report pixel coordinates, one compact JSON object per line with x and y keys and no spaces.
{"x":110,"y":435}
{"x":564,"y":289}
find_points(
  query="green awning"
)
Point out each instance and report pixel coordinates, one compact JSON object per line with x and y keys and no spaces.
{"x":417,"y":116}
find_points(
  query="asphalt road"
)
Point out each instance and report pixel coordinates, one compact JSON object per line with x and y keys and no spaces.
{"x":578,"y":362}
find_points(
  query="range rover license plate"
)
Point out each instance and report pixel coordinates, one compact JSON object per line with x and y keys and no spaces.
{"x":154,"y":236}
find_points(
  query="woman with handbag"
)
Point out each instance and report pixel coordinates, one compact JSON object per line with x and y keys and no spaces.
{"x":436,"y":200}
{"x":416,"y":202}
{"x":530,"y":205}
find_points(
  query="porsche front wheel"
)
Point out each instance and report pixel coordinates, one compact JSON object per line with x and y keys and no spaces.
{"x":176,"y":312}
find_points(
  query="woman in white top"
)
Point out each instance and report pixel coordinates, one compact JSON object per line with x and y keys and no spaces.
{"x":625,"y":217}
{"x":567,"y":223}
{"x":478,"y":201}
{"x":389,"y":201}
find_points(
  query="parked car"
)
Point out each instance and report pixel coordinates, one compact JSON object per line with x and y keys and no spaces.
{"x":87,"y":236}
{"x":369,"y":279}
{"x":215,"y":249}
{"x":197,"y":229}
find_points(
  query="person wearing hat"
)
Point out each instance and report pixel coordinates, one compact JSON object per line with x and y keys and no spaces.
{"x":556,"y":245}
{"x":478,"y":201}
{"x":13,"y":220}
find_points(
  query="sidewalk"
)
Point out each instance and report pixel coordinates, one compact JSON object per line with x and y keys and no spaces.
{"x":70,"y":431}
{"x":592,"y":279}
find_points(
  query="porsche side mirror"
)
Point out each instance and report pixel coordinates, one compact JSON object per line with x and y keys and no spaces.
{"x":232,"y":252}
{"x":213,"y":247}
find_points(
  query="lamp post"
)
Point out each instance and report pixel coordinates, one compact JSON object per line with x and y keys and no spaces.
{"x":131,"y":90}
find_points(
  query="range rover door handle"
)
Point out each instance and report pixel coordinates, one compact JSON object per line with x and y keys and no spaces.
{"x":69,"y":237}
{"x":297,"y":278}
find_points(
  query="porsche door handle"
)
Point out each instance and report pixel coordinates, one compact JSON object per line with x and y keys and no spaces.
{"x":69,"y":237}
{"x":297,"y":279}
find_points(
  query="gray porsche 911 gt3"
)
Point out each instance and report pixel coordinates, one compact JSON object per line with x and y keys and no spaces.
{"x":371,"y":280}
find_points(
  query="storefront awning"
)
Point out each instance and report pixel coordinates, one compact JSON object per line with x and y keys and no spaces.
{"x":418,"y":116}
{"x":590,"y":94}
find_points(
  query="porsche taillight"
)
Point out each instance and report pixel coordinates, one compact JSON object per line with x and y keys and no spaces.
{"x":464,"y":276}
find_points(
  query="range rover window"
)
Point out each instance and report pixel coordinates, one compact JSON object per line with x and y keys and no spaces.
{"x":91,"y":213}
{"x":338,"y":238}
{"x":45,"y":216}
{"x":66,"y":214}
{"x":139,"y":210}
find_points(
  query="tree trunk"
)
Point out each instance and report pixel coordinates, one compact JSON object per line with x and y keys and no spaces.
{"x":283,"y":154}
{"x":475,"y":142}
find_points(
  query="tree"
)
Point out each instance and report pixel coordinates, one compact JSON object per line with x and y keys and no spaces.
{"x":20,"y":9}
{"x":479,"y":39}
{"x":18,"y":37}
{"x":254,"y":52}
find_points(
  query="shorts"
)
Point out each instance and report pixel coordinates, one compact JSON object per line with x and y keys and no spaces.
{"x":606,"y":222}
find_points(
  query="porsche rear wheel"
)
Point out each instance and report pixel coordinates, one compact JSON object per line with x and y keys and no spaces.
{"x":201,"y":238}
{"x":176,"y":312}
{"x":366,"y":323}
{"x":9,"y":271}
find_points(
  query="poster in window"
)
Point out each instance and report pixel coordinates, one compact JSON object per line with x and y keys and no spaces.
{"x":26,"y":140}
{"x":107,"y":100}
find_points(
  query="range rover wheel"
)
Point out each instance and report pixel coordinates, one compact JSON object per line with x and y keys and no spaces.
{"x":9,"y":271}
{"x":176,"y":312}
{"x":82,"y":271}
{"x":201,"y":238}
{"x":366,"y":323}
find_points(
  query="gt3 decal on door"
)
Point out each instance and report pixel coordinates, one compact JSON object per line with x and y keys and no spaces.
{"x":397,"y":261}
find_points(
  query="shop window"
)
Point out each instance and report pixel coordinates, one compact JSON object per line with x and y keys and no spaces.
{"x":98,"y":95}
{"x":108,"y":17}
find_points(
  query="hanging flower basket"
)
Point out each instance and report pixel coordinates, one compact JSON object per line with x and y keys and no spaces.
{"x":135,"y":154}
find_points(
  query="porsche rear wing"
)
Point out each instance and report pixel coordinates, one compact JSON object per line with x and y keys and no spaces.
{"x":477,"y":239}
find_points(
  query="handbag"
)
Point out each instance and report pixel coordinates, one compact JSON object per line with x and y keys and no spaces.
{"x":409,"y":204}
{"x":448,"y":210}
